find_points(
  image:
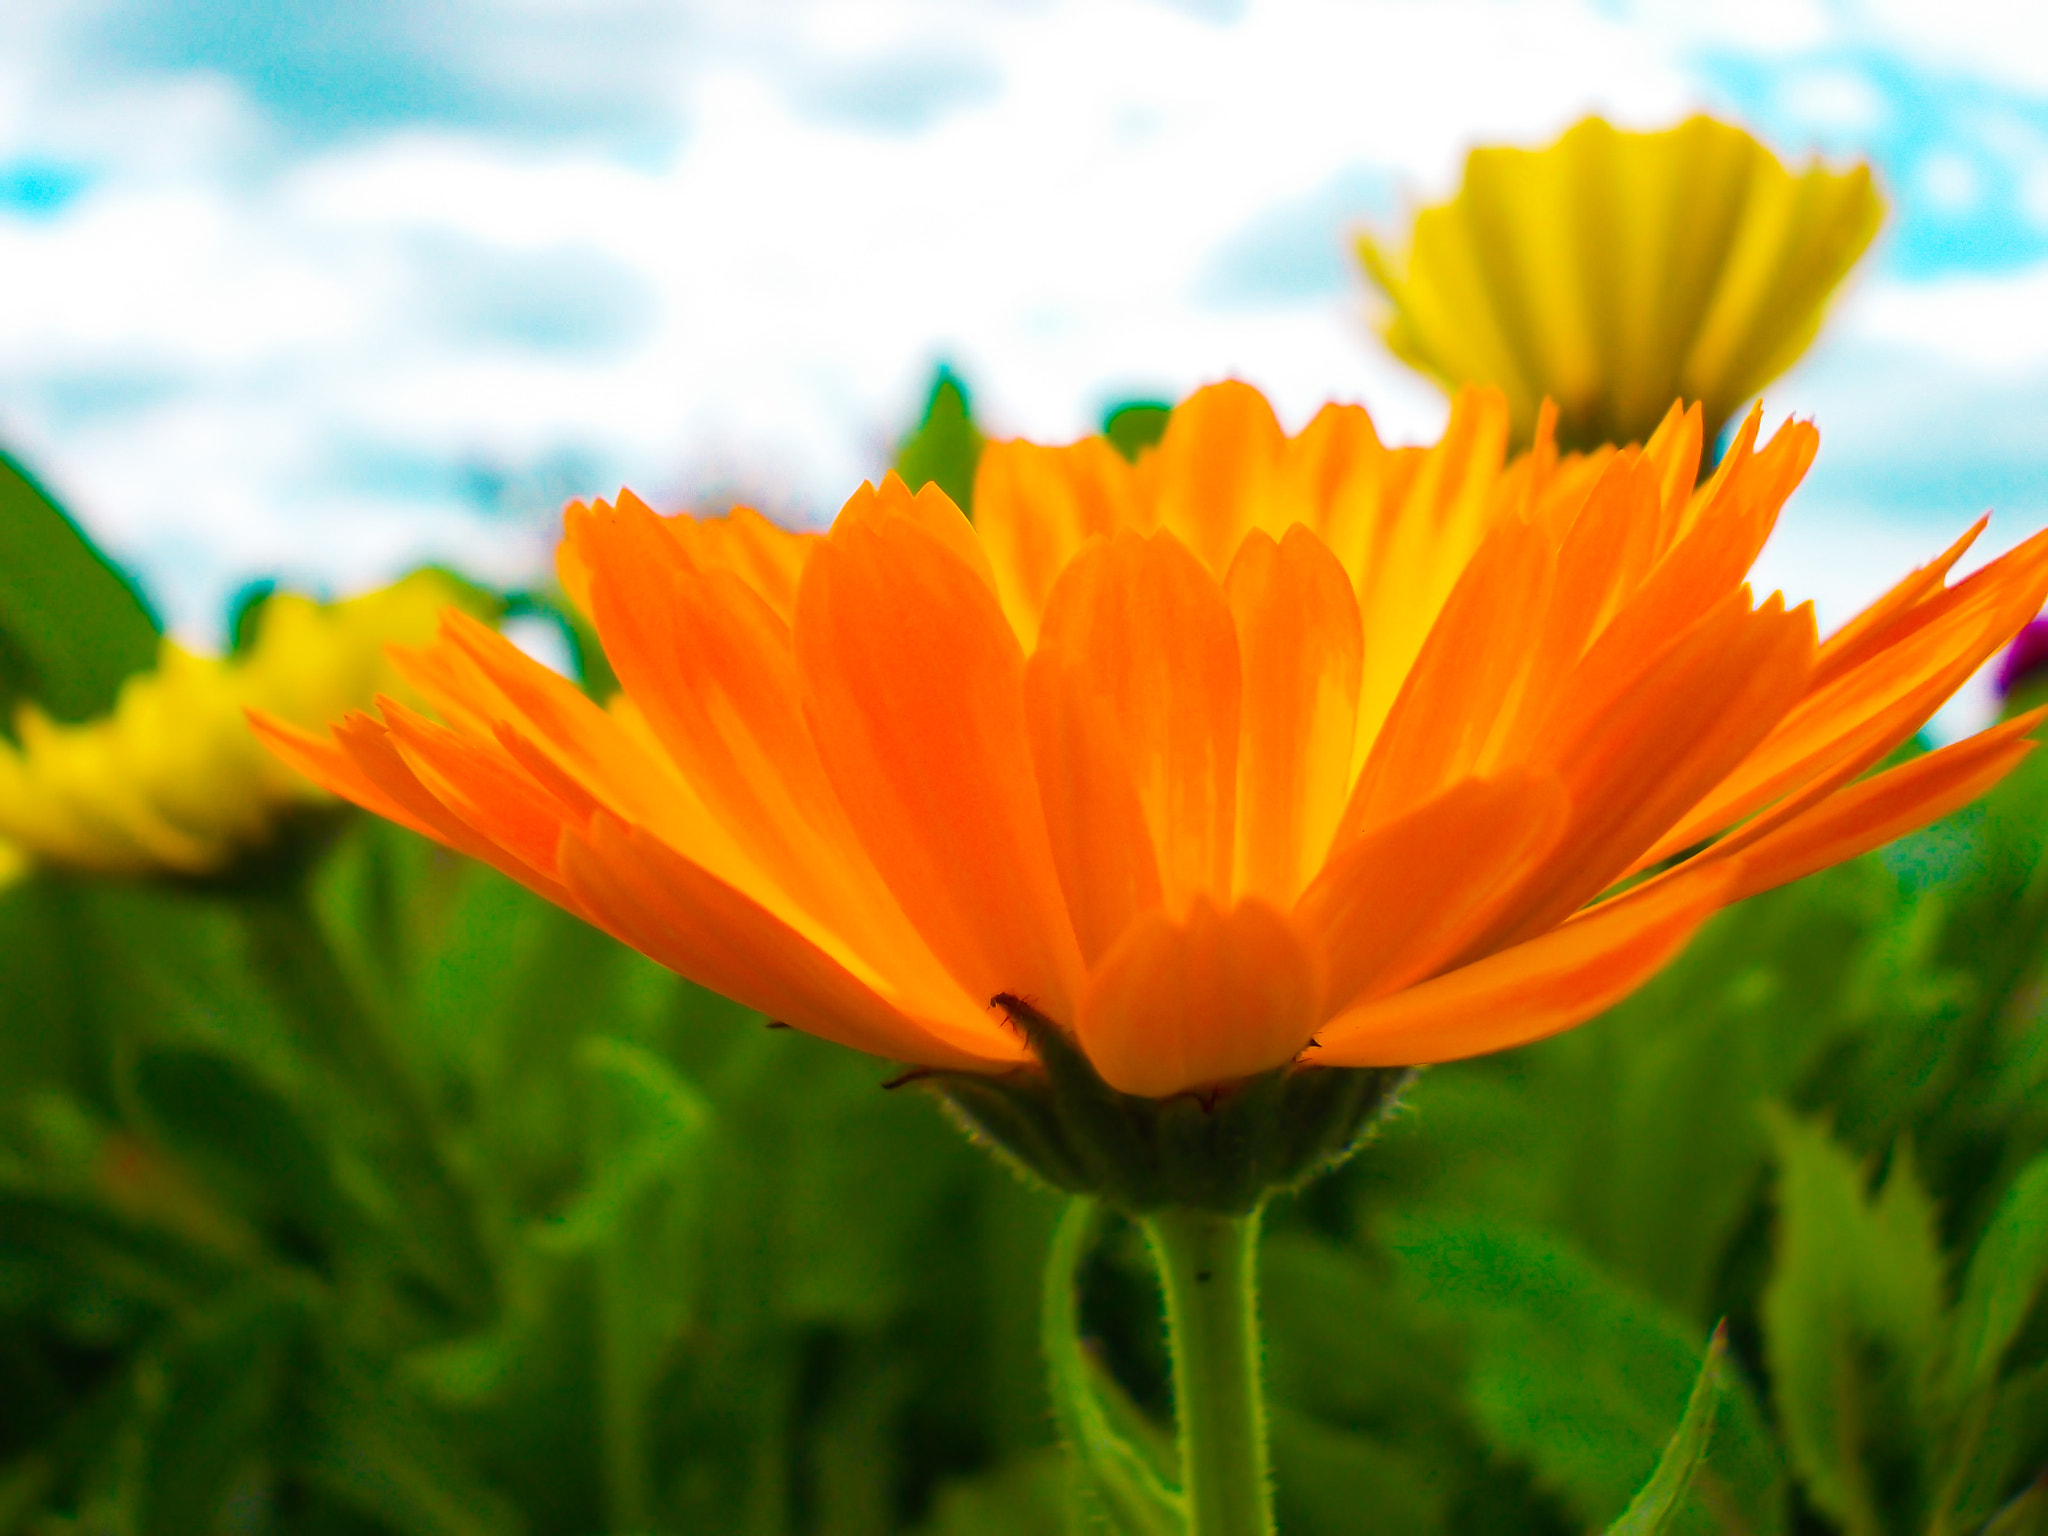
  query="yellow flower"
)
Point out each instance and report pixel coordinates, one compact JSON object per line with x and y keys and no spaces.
{"x":1617,"y":272}
{"x":1257,"y":742}
{"x":13,"y":863}
{"x":172,"y":779}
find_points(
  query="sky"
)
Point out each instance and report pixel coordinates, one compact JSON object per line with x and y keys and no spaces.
{"x":313,"y":292}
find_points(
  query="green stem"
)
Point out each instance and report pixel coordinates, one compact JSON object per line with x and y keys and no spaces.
{"x":1208,"y":1267}
{"x":623,"y":1370}
{"x":291,"y":948}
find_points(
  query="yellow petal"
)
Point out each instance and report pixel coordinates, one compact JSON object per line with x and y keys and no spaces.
{"x":1614,"y":272}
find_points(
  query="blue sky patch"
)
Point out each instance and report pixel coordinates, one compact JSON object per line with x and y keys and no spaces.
{"x":570,"y":299}
{"x":39,"y":189}
{"x":1963,"y":163}
{"x":530,"y":490}
{"x":1298,"y":250}
{"x":325,"y":71}
{"x":900,"y":93}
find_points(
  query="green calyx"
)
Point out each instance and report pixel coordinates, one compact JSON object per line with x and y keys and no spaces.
{"x":1222,"y":1152}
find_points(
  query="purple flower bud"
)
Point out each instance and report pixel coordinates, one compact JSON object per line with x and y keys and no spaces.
{"x":2024,"y":658}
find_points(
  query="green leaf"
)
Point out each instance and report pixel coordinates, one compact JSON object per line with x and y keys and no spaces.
{"x":647,"y":1132}
{"x":946,"y":447}
{"x":1854,"y":1330}
{"x":593,"y":669}
{"x":1323,"y":1477}
{"x":2013,"y":1443}
{"x":1025,"y":1496}
{"x":1118,"y":1457}
{"x":1638,"y":1135}
{"x":2005,"y":1275}
{"x":2026,"y":1515}
{"x":647,"y":1127}
{"x":1655,"y":1510}
{"x":249,"y":1143}
{"x":71,"y":626}
{"x":1582,"y":1378}
{"x":368,"y":1444}
{"x":225,"y":1379}
{"x":1135,"y":425}
{"x":1396,"y":1379}
{"x":1650,"y":1113}
{"x":135,"y":1262}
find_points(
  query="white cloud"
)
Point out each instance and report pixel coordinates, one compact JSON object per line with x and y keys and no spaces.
{"x":2002,"y":40}
{"x":239,"y":354}
{"x":1839,"y":100}
{"x":1997,"y":324}
{"x":252,"y":361}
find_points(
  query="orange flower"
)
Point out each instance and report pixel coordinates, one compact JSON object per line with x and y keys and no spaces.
{"x":1256,"y":742}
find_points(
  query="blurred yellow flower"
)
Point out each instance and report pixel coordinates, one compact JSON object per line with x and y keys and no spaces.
{"x":13,"y":864}
{"x":172,"y":779}
{"x":1617,"y":272}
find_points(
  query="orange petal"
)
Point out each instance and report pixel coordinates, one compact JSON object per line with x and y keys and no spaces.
{"x":1192,"y":1004}
{"x":767,"y":558}
{"x":912,"y":683}
{"x":1034,"y":507}
{"x":929,"y":509}
{"x":1462,"y":684}
{"x":476,"y":678}
{"x":1151,"y":633}
{"x":1878,"y":626}
{"x":680,"y":915}
{"x":1872,"y":813}
{"x":1633,"y":766}
{"x":1408,"y":541}
{"x":1302,"y":646}
{"x":1336,"y":451}
{"x":1215,"y":468}
{"x":571,"y":569}
{"x":1411,"y":896}
{"x":485,"y":786}
{"x":1842,"y":728}
{"x":1731,"y":517}
{"x":1674,"y":449}
{"x":713,"y":669}
{"x":362,"y":764}
{"x":1535,"y":989}
{"x":1602,"y":557}
{"x":1100,"y":843}
{"x":322,"y":759}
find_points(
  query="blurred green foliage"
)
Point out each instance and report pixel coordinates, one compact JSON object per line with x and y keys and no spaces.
{"x":1135,"y":425}
{"x":71,"y":627}
{"x":369,"y":1194}
{"x":945,"y":446}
